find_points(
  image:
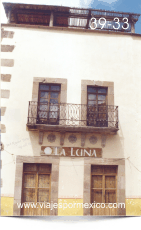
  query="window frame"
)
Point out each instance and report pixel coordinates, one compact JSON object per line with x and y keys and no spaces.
{"x":35,"y":93}
{"x":48,"y":119}
{"x":97,"y":121}
{"x":110,"y":96}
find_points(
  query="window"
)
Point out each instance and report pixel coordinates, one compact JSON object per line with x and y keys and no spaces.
{"x":48,"y":104}
{"x":97,"y":114}
{"x":36,"y":187}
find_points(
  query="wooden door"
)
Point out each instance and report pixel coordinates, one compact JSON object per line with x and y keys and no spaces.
{"x":36,"y":189}
{"x":104,"y":190}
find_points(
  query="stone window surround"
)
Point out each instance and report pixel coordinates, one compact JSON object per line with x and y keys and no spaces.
{"x":62,"y":81}
{"x":20,"y":160}
{"x":109,"y":85}
{"x":110,"y":94}
{"x":120,"y":181}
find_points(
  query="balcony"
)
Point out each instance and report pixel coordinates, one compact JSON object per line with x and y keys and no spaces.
{"x":66,"y":117}
{"x":60,"y":16}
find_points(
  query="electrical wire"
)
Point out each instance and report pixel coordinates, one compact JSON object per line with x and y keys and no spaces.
{"x":82,"y":165}
{"x":9,"y":153}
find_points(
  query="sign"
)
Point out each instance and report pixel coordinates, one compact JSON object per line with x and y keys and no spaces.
{"x":71,"y":152}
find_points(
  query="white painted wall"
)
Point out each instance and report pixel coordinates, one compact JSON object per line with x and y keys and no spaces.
{"x":71,"y":177}
{"x":74,"y":56}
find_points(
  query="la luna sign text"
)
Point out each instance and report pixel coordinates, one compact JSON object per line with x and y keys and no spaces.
{"x":71,"y":152}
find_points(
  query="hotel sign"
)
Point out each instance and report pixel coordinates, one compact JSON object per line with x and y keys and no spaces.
{"x":71,"y":152}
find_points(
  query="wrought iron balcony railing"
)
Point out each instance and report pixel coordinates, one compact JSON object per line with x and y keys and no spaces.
{"x":72,"y":115}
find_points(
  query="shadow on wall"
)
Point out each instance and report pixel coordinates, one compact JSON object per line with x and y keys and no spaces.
{"x":114,"y":146}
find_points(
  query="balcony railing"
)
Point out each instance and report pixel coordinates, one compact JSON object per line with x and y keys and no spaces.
{"x":72,"y":115}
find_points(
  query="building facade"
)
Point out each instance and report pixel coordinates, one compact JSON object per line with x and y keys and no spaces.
{"x":71,"y":109}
